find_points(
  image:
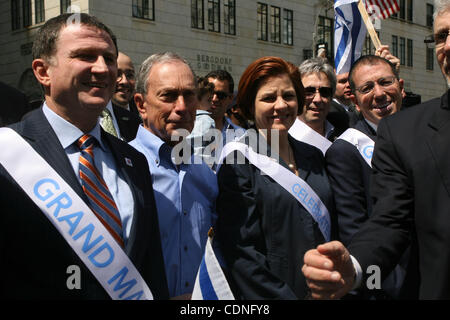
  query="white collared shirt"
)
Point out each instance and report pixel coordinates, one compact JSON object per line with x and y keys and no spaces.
{"x":67,"y":135}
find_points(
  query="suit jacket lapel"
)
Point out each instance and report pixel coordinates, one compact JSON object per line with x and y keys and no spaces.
{"x":439,"y":139}
{"x":365,"y":128}
{"x":37,"y":131}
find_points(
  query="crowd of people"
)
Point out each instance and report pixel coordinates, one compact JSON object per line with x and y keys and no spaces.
{"x":351,"y":181}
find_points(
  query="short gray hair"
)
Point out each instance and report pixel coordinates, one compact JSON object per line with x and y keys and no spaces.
{"x":146,"y":66}
{"x":317,"y":65}
{"x":440,"y":6}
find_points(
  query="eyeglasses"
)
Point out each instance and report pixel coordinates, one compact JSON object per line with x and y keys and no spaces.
{"x":128,"y":74}
{"x":220,"y":94}
{"x":325,"y":92}
{"x":436,"y":40}
{"x":382,"y":82}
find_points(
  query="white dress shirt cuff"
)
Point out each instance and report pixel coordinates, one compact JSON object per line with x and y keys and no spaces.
{"x":358,"y":273}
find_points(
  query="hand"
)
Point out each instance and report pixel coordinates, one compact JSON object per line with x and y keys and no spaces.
{"x":329,"y":271}
{"x":384,"y":52}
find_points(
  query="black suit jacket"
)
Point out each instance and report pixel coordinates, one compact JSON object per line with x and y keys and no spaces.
{"x":264,"y":231}
{"x":350,"y":181}
{"x":411,"y":192}
{"x":34,"y":256}
{"x":341,"y":119}
{"x":14,"y":105}
{"x":127,"y":121}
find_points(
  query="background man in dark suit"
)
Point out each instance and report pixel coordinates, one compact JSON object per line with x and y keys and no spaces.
{"x":349,"y":172}
{"x":76,"y":64}
{"x":411,"y":198}
{"x":342,"y":114}
{"x":14,"y":105}
{"x":121,"y":112}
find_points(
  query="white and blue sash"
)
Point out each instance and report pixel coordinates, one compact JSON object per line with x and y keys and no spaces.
{"x":361,"y":141}
{"x":293,"y":184}
{"x":302,"y":132}
{"x":72,"y":218}
{"x":211,"y":283}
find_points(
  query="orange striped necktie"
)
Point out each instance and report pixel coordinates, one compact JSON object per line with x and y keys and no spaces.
{"x":100,"y":199}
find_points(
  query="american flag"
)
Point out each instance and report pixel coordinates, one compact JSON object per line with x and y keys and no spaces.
{"x":382,"y":9}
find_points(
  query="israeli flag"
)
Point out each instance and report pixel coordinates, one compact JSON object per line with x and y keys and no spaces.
{"x":211,"y":283}
{"x":349,"y":34}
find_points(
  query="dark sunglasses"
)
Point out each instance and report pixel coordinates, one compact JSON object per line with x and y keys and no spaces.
{"x":221,"y":95}
{"x":325,"y":92}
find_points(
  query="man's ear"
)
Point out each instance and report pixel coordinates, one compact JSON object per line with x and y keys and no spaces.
{"x":402,"y":88}
{"x":355,"y":102}
{"x":41,"y":72}
{"x":139,"y":101}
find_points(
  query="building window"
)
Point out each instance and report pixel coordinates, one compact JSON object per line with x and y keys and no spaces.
{"x":410,"y":53}
{"x":402,"y":51}
{"x":325,"y":31}
{"x":406,"y":10}
{"x":144,"y":9}
{"x":430,"y":9}
{"x":15,"y":14}
{"x":64,"y":5}
{"x":410,"y":10}
{"x":214,"y":15}
{"x":369,"y":47}
{"x":275,"y":24}
{"x":262,"y":21}
{"x":430,"y":59}
{"x":197,"y":20}
{"x":395,"y":46}
{"x":229,"y":16}
{"x":288,"y":27}
{"x":39,"y":11}
{"x":402,"y":10}
{"x":26,"y":12}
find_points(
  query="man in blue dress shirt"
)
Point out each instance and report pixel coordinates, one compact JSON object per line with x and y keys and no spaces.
{"x":185,"y":193}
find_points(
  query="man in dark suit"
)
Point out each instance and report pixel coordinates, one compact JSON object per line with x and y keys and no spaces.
{"x":348,"y":171}
{"x":121,"y":112}
{"x":411,"y":193}
{"x":342,"y":114}
{"x":348,"y":168}
{"x":76,"y":64}
{"x":14,"y":105}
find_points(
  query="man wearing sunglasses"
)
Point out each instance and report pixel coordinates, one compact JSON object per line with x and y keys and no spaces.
{"x":411,"y":192}
{"x":319,"y":81}
{"x":311,"y":126}
{"x":220,"y":102}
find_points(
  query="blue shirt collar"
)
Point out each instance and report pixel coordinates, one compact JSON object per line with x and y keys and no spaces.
{"x":150,"y":142}
{"x":66,"y":132}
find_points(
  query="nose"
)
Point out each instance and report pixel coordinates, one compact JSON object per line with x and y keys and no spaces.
{"x":122,"y":79}
{"x":180,"y":104}
{"x":280,"y":103}
{"x":378,"y":91}
{"x":317,"y":97}
{"x":447,"y":44}
{"x":100,"y":65}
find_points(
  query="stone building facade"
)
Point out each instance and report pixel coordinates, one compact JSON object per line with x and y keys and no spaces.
{"x":218,"y":34}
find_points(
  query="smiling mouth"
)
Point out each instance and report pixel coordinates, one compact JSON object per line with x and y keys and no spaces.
{"x":382,"y":106}
{"x":96,"y":85}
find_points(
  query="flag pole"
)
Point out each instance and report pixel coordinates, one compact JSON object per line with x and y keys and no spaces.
{"x":369,"y":25}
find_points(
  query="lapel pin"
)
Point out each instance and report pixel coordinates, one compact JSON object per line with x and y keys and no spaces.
{"x":128,"y":162}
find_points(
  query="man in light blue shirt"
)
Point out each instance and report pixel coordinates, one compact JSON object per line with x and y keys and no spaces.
{"x":186,"y":193}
